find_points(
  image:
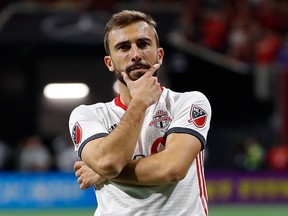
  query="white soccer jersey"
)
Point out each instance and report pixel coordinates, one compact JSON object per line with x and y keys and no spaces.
{"x":188,"y":112}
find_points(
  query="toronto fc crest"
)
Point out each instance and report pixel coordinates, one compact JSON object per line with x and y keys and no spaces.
{"x":161,"y":119}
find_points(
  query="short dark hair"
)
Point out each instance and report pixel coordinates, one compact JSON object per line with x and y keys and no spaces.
{"x":125,"y":18}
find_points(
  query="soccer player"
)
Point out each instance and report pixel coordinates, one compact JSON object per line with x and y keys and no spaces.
{"x":143,"y":151}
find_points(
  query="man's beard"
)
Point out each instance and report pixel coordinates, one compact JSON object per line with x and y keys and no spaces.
{"x":129,"y":69}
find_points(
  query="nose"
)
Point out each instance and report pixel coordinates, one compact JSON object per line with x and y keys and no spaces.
{"x":135,"y":53}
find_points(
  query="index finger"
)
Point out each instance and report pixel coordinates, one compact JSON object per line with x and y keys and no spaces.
{"x":152,"y":69}
{"x":125,"y":77}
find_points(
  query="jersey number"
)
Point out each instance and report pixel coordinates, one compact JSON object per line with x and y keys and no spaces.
{"x":158,"y":145}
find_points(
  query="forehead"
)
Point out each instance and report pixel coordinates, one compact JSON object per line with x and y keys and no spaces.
{"x":131,"y":33}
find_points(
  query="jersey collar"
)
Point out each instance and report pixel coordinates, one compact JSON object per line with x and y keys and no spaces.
{"x":120,"y":104}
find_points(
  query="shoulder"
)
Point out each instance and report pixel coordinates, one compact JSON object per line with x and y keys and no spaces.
{"x":189,"y":95}
{"x":197,"y":99}
{"x":89,"y":111}
{"x":196,"y":96}
{"x":190,"y":100}
{"x":85,"y":108}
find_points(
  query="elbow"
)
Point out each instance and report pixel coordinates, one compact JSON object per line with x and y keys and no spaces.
{"x":175,"y":174}
{"x":105,"y":166}
{"x":108,"y":168}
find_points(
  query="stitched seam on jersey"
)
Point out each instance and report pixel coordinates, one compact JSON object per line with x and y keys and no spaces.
{"x":188,"y":131}
{"x":96,"y":136}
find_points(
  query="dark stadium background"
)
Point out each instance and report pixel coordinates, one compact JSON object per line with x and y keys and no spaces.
{"x":31,"y":58}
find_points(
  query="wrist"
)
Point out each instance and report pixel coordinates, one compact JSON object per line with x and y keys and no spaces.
{"x":140,"y":104}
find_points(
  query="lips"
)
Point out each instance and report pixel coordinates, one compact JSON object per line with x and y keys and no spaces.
{"x":137,"y":67}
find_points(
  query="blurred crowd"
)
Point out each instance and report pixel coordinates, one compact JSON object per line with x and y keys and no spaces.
{"x":34,"y":153}
{"x":248,"y":30}
{"x":251,"y":31}
{"x":254,"y":32}
{"x":249,"y":154}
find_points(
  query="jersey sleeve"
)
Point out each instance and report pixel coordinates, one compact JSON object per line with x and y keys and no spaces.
{"x":86,"y":124}
{"x":192,"y":115}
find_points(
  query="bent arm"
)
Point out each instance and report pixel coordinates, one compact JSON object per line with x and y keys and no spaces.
{"x":170,"y":165}
{"x":107,"y":156}
{"x":167,"y":166}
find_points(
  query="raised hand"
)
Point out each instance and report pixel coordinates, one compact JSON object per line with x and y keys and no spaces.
{"x":145,"y":89}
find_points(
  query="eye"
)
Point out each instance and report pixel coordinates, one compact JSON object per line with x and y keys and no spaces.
{"x":143,"y":44}
{"x":124,"y":47}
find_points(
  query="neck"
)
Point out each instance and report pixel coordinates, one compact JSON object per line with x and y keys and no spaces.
{"x":125,"y":96}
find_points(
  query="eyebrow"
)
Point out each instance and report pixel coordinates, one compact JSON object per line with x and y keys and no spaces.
{"x":121,"y":44}
{"x":144,"y":39}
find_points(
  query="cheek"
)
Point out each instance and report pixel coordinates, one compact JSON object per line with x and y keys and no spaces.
{"x":116,"y":62}
{"x":120,"y":62}
{"x":152,"y":58}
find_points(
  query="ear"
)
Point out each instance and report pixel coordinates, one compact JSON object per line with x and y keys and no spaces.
{"x":160,"y":54}
{"x":108,"y":62}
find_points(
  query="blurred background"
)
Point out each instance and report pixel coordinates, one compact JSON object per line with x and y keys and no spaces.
{"x":234,"y":51}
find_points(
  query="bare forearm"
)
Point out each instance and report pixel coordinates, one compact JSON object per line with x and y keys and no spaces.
{"x":123,"y":139}
{"x":168,"y":166}
{"x":110,"y":155}
{"x":117,"y":148}
{"x":145,"y":172}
